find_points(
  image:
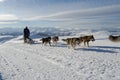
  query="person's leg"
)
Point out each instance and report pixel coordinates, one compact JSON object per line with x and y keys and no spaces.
{"x":25,"y":39}
{"x":28,"y":39}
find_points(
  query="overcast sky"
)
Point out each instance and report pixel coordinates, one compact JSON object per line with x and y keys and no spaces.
{"x":60,"y":13}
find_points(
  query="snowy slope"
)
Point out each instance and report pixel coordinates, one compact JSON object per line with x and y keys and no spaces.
{"x":100,"y":61}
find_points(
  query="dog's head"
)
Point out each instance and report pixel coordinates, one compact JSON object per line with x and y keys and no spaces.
{"x":92,"y":38}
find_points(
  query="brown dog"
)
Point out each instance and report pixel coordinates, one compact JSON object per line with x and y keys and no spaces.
{"x":46,"y":40}
{"x":87,"y":39}
{"x":114,"y":38}
{"x":54,"y":39}
{"x":71,"y":42}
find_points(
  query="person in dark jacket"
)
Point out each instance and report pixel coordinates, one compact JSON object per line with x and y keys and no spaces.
{"x":26,"y":34}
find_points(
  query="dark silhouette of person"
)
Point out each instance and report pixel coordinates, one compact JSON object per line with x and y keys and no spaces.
{"x":26,"y":34}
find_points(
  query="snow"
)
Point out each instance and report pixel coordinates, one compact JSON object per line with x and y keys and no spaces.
{"x":19,"y":61}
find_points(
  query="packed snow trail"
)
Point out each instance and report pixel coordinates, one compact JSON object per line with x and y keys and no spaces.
{"x":29,"y":66}
{"x":20,"y":61}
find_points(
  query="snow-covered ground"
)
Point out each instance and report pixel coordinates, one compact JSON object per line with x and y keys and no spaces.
{"x":19,"y":61}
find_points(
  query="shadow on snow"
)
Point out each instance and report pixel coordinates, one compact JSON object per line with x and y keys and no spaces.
{"x":1,"y":77}
{"x":100,"y":49}
{"x":110,"y":47}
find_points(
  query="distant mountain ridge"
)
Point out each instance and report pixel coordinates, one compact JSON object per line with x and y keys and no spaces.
{"x":51,"y":31}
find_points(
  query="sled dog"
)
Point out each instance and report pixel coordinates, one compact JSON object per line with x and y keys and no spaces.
{"x":71,"y":42}
{"x":114,"y":38}
{"x":46,"y":40}
{"x":54,"y":39}
{"x":87,"y":39}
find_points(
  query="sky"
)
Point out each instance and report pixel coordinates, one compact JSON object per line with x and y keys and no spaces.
{"x":60,"y":13}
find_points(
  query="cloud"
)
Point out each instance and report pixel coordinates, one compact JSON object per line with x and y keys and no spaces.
{"x":48,"y":18}
{"x":12,"y":22}
{"x":98,"y":12}
{"x":2,"y":0}
{"x":8,"y":19}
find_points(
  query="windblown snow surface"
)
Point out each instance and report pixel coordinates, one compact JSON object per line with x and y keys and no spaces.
{"x":19,"y":61}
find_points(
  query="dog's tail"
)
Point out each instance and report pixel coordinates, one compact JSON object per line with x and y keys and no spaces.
{"x":64,"y":40}
{"x":41,"y":39}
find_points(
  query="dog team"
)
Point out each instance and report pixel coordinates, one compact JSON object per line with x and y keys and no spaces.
{"x":71,"y":42}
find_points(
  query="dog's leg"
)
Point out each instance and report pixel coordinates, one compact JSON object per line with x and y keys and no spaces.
{"x":45,"y":44}
{"x":50,"y":43}
{"x":88,"y":44}
{"x":73,"y":46}
{"x":54,"y":43}
{"x":84,"y":43}
{"x":68,"y":46}
{"x":42,"y":43}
